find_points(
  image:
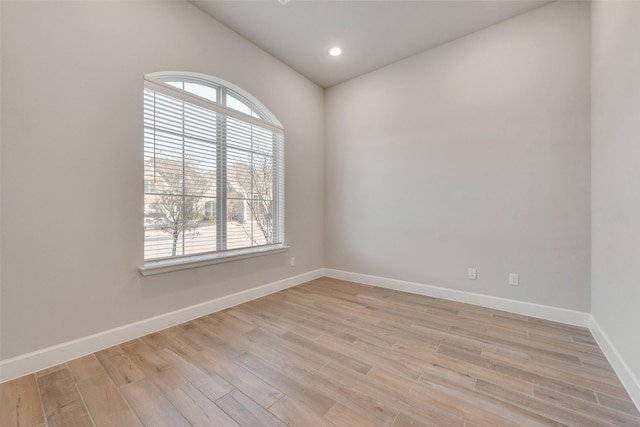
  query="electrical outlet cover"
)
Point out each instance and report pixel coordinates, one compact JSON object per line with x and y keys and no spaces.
{"x":514,"y":279}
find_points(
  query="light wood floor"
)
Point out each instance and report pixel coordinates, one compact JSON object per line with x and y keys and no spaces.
{"x":334,"y":353}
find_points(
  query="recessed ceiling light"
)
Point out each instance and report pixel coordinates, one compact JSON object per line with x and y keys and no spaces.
{"x":335,"y":51}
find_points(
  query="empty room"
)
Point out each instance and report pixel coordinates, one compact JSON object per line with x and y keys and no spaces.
{"x":319,"y":213}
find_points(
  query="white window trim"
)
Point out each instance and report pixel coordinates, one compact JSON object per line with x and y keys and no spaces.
{"x":151,"y":268}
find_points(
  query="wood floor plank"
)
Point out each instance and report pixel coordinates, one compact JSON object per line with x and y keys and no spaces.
{"x":246,"y":412}
{"x":518,"y":373}
{"x":118,"y":366}
{"x":295,"y":414}
{"x":343,"y":416}
{"x":435,"y":373}
{"x":180,"y":338}
{"x":370,"y":396}
{"x":263,"y":344}
{"x":62,"y":403}
{"x":559,"y":379}
{"x":50,"y":370}
{"x":261,"y":321}
{"x":409,"y":363}
{"x":593,"y":409}
{"x":242,"y":379}
{"x":151,"y":406}
{"x":335,"y":353}
{"x":354,"y":390}
{"x":299,"y":325}
{"x":297,"y":341}
{"x":404,"y":420}
{"x":159,"y":341}
{"x":622,"y":405}
{"x":171,"y":372}
{"x":275,"y":350}
{"x":358,"y":329}
{"x":544,"y":408}
{"x":199,"y":338}
{"x":316,"y":401}
{"x":459,"y":403}
{"x":198,"y":409}
{"x":20,"y":403}
{"x":104,"y":402}
{"x":395,"y":362}
{"x":408,"y":418}
{"x":211,"y":385}
{"x":478,"y":371}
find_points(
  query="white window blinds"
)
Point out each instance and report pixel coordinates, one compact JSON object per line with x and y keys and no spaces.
{"x":213,"y":173}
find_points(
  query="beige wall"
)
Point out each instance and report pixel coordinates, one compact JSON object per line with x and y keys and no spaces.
{"x":472,"y":154}
{"x":615,"y":115}
{"x":72,"y":236}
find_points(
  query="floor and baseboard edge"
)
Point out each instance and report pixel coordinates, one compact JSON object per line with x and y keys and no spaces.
{"x":41,"y":359}
{"x":556,"y":314}
{"x":626,"y":375}
{"x":31,"y":362}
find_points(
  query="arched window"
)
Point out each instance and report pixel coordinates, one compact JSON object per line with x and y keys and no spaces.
{"x":213,"y":171}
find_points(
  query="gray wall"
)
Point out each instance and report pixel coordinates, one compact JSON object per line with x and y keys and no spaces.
{"x":472,"y":154}
{"x":72,"y":235}
{"x":615,"y":115}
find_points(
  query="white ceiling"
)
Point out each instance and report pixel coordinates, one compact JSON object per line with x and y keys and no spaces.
{"x":372,"y":34}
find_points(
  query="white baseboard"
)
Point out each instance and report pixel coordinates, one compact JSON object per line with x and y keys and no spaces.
{"x":41,"y":359}
{"x":562,"y":315}
{"x":626,"y":375}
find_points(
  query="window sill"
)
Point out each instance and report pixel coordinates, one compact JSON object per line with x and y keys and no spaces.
{"x":166,"y":266}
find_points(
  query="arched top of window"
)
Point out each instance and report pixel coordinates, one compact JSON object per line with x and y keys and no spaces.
{"x":216,"y":90}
